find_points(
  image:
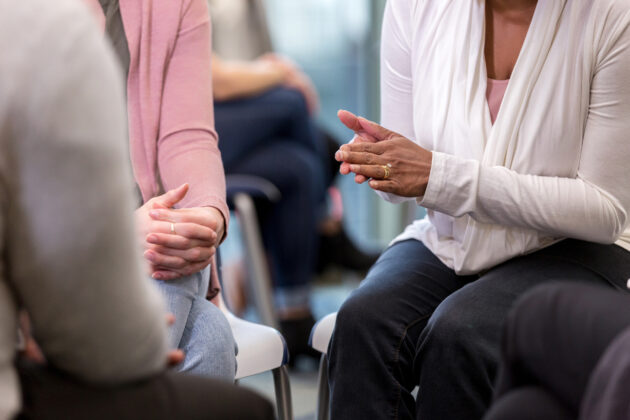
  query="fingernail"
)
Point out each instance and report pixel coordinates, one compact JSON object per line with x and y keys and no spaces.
{"x":157,"y":276}
{"x":354,"y":168}
{"x":154,"y":213}
{"x":149,"y":255}
{"x":152,"y":238}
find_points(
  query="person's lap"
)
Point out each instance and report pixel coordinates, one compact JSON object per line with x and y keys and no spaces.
{"x":200,"y":328}
{"x":49,"y":394}
{"x":432,"y":328}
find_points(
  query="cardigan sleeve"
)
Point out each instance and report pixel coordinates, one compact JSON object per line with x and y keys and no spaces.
{"x":188,"y":149}
{"x":396,"y":79}
{"x":593,"y":206}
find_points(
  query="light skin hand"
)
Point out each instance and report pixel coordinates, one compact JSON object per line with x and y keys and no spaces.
{"x":296,"y":79}
{"x":410,"y":163}
{"x":190,"y":248}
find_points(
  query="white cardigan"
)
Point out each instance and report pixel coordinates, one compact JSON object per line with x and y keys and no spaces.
{"x":555,"y":163}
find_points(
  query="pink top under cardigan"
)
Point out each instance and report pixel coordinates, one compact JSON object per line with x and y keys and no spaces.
{"x":170,"y":108}
{"x":494,"y":94}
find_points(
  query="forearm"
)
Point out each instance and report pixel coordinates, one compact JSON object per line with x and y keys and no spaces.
{"x":234,"y":80}
{"x":557,"y":206}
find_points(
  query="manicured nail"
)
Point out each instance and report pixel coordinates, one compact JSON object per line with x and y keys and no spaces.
{"x":152,"y":238}
{"x":154,"y":213}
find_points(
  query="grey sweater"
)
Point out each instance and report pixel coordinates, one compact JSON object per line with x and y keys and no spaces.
{"x":67,"y":250}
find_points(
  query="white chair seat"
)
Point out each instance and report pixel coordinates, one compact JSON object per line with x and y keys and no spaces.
{"x":321,"y":333}
{"x":260,"y":348}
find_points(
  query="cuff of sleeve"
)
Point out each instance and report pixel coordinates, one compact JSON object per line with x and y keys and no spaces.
{"x":436,"y":181}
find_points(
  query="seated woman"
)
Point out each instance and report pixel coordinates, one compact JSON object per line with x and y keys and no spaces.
{"x":566,"y":355}
{"x":263,"y":115}
{"x":510,"y":127}
{"x":164,"y":50}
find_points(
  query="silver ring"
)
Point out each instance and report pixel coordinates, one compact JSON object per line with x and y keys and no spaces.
{"x":173,"y":228}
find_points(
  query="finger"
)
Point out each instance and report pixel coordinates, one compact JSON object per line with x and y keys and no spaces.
{"x":350,"y":120}
{"x":172,"y":197}
{"x":166,"y":274}
{"x":369,"y":171}
{"x":364,"y":147}
{"x":385,"y":186}
{"x":188,"y":230}
{"x":344,"y":168}
{"x":165,"y":260}
{"x":193,"y":255}
{"x":360,"y":179}
{"x":373,"y":129}
{"x":360,"y":158}
{"x":176,"y":241}
{"x":196,"y":215}
{"x":174,"y":358}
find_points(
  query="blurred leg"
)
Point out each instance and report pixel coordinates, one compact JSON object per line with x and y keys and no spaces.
{"x":557,"y":334}
{"x":49,"y":395}
{"x":529,"y":403}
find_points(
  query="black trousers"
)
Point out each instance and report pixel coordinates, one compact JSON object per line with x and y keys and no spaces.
{"x":566,"y":356}
{"x":48,"y":394}
{"x":413,"y":321}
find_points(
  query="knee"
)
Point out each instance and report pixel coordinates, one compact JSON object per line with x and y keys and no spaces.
{"x":362,"y":313}
{"x":453,"y":328}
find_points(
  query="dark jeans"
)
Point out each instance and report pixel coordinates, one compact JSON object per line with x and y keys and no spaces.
{"x":272,"y":136}
{"x":413,"y":321}
{"x":49,"y":395}
{"x":566,"y":354}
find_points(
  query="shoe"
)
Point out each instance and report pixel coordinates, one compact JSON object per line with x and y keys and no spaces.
{"x":338,"y":249}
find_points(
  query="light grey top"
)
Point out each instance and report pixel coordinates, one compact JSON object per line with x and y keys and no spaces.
{"x":67,"y":250}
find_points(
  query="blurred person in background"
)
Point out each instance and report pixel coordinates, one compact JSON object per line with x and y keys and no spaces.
{"x":68,"y":254}
{"x":164,"y":50}
{"x":264,"y":113}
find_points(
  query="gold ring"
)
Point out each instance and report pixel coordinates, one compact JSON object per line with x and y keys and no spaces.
{"x":387,"y":169}
{"x":173,"y":228}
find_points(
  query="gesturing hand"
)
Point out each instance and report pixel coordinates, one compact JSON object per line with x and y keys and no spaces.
{"x":178,"y":242}
{"x":394,"y":163}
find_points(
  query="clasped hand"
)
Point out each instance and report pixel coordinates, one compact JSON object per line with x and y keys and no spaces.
{"x":178,"y":242}
{"x":389,"y":161}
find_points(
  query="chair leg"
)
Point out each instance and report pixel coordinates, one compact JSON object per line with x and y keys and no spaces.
{"x":257,"y":260}
{"x":323,"y":392}
{"x":283,"y":393}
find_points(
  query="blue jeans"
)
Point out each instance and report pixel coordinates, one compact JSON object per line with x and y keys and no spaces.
{"x":200,"y":329}
{"x":272,"y":136}
{"x":414,"y":322}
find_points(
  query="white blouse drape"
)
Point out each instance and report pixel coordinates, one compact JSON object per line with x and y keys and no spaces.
{"x":555,"y":163}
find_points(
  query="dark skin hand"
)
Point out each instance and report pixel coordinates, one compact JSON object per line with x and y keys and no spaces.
{"x":376,"y":148}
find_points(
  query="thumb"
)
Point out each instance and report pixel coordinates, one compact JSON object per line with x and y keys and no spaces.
{"x":375,"y":130}
{"x":349,"y":120}
{"x":172,"y":197}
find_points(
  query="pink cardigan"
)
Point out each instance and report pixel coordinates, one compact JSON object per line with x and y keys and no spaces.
{"x":169,"y":90}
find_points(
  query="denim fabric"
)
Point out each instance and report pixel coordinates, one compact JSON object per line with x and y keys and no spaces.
{"x":200,"y":329}
{"x":272,"y":136}
{"x":413,"y":321}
